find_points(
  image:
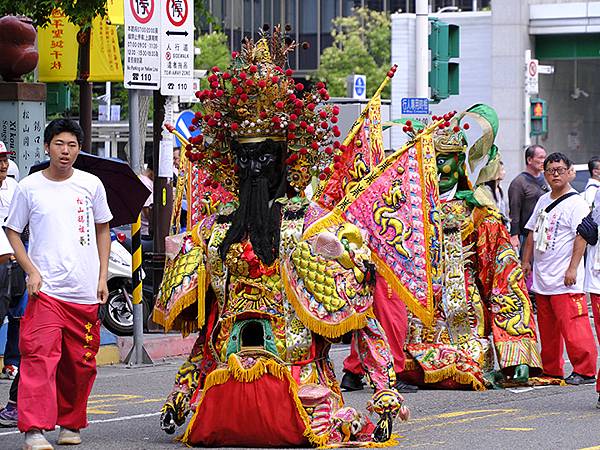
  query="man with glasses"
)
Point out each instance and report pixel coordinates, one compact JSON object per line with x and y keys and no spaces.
{"x":558,"y":275}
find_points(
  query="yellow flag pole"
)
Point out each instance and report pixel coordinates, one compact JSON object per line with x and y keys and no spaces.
{"x":357,"y":124}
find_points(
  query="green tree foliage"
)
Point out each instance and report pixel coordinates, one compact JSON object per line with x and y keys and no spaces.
{"x":80,"y":13}
{"x":214,"y":51}
{"x":361,"y":45}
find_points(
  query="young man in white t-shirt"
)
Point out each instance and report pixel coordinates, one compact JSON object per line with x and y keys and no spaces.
{"x":66,"y":265}
{"x":592,"y":279}
{"x":558,"y":275}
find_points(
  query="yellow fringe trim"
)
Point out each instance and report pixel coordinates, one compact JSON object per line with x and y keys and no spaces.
{"x":166,"y":320}
{"x":391,"y":442}
{"x":201,"y":295}
{"x":242,"y":375}
{"x":436,"y":376}
{"x":332,"y":218}
{"x":423,"y":313}
{"x":332,"y":331}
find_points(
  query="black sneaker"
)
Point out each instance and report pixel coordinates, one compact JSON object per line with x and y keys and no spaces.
{"x":598,"y":404}
{"x":351,"y":382}
{"x":576,"y":379}
{"x":405,"y":388}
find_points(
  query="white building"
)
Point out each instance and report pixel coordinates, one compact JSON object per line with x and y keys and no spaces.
{"x":563,"y":34}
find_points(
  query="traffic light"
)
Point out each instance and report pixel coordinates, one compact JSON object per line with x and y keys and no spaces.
{"x":58,"y":98}
{"x":444,"y":44}
{"x":539,"y":117}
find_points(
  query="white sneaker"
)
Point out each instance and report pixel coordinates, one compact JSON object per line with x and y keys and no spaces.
{"x":35,"y":440}
{"x":68,"y":437}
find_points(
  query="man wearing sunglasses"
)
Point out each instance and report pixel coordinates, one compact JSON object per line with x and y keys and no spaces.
{"x":558,"y":275}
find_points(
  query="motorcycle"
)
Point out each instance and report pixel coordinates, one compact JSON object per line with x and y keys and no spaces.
{"x":117,"y":313}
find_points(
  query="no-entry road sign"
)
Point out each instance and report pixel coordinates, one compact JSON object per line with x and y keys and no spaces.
{"x":142,"y":44}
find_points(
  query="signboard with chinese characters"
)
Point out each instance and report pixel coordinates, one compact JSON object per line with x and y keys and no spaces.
{"x":414,"y":106}
{"x":142,"y":44}
{"x":104,"y":52}
{"x":57,"y":44}
{"x":177,"y":47}
{"x":22,"y":126}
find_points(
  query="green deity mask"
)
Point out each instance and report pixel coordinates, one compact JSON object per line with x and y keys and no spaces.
{"x":451,"y":168}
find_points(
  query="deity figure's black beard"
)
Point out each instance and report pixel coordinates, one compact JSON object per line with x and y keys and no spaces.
{"x":255,"y":219}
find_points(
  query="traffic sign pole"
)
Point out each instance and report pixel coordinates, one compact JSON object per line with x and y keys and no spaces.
{"x":422,"y":51}
{"x":527,"y":103}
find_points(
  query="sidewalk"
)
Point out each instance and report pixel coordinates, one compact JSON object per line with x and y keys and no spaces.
{"x":158,"y":345}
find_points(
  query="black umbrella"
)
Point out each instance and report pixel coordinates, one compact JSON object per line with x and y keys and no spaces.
{"x":125,"y":193}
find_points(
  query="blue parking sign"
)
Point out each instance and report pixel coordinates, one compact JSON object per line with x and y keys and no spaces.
{"x":415,"y":106}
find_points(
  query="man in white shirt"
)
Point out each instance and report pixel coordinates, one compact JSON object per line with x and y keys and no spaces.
{"x":593,"y":184}
{"x":7,"y":184}
{"x":558,"y":275}
{"x":66,"y":264}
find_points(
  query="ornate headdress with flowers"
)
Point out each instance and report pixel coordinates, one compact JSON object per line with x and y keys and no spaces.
{"x":257,"y":99}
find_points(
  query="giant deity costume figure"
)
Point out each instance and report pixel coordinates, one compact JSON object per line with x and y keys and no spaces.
{"x":266,"y":299}
{"x":483,"y":304}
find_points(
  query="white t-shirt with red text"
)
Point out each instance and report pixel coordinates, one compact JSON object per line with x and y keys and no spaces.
{"x":62,"y":233}
{"x":549,"y":266}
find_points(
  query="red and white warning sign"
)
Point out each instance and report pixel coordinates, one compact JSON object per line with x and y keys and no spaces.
{"x":177,"y":11}
{"x":177,"y":47}
{"x":141,"y":62}
{"x":142,"y":10}
{"x":532,"y":77}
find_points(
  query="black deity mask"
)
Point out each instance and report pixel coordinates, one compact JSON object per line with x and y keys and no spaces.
{"x":261,"y":180}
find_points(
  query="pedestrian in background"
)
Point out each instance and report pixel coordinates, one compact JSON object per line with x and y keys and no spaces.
{"x":11,"y":351}
{"x":558,"y":275}
{"x":66,"y":264}
{"x":524,"y":191}
{"x":592,"y":277}
{"x":593,"y":183}
{"x":497,"y":193}
{"x":13,"y":283}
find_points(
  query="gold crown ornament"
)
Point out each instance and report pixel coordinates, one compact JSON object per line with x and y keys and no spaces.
{"x":257,"y":99}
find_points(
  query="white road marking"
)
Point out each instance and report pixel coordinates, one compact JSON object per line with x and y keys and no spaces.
{"x":113,"y":419}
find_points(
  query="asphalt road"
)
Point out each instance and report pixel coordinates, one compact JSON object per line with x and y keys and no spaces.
{"x":123,"y":412}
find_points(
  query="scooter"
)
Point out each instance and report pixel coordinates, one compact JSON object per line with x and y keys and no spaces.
{"x":117,"y":314}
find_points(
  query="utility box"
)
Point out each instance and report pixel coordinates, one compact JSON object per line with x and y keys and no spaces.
{"x":58,"y":98}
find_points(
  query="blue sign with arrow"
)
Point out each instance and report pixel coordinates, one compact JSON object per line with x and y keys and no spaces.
{"x":182,"y":124}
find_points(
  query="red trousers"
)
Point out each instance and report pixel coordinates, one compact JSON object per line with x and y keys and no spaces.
{"x":563,"y":319}
{"x":391,"y":313}
{"x":596,"y":311}
{"x":58,"y":342}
